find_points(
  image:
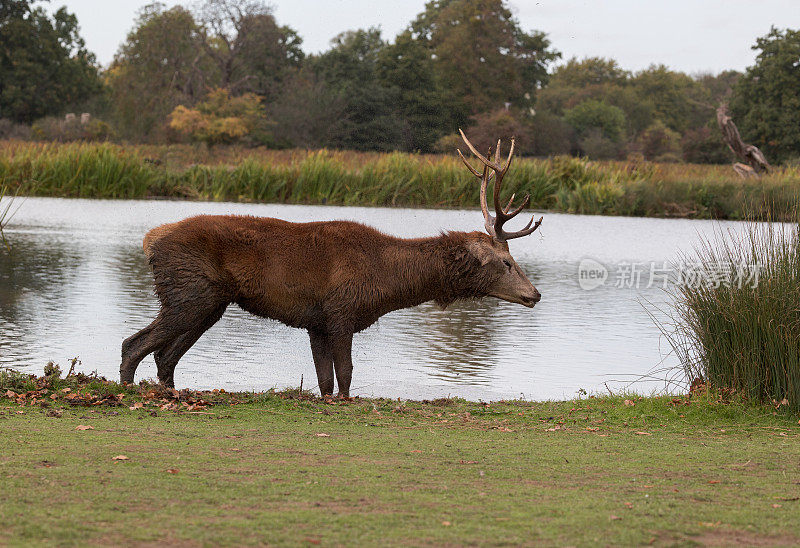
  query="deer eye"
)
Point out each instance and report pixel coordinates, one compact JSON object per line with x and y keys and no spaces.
{"x":508,"y":264}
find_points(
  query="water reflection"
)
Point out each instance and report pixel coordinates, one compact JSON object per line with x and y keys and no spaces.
{"x":77,"y":283}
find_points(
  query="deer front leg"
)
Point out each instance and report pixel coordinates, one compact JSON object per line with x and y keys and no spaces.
{"x":323,"y":361}
{"x":342,"y":346}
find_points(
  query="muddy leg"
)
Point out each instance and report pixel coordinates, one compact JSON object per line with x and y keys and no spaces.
{"x":323,"y":361}
{"x":168,"y":326}
{"x":341,"y":347}
{"x":167,"y":357}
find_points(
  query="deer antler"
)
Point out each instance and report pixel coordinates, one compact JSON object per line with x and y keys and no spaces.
{"x":494,"y":224}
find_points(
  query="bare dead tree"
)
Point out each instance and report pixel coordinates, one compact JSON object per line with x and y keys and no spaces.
{"x":750,"y":154}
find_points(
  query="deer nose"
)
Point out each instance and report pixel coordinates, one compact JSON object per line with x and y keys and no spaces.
{"x":536,"y":296}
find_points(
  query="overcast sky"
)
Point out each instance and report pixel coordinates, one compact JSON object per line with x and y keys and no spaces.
{"x":689,"y":35}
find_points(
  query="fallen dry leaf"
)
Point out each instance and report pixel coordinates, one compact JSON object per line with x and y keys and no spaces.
{"x":629,"y":403}
{"x":84,"y":427}
{"x":120,"y":457}
{"x":416,"y":451}
{"x":137,"y":405}
{"x":612,"y":517}
{"x":322,"y":435}
{"x":446,"y":523}
{"x":713,"y":481}
{"x":776,"y":505}
{"x":504,"y":429}
{"x":236,"y":449}
{"x":172,"y":470}
{"x":643,"y":433}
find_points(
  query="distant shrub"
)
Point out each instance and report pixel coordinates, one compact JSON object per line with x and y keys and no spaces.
{"x":597,"y":115}
{"x":551,"y":135}
{"x":222,"y":119}
{"x":65,"y":130}
{"x":12,"y":130}
{"x":660,"y":141}
{"x":599,"y":147}
{"x":502,"y":124}
{"x":705,"y":146}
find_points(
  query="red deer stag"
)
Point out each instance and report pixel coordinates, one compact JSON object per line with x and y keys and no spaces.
{"x":332,"y":278}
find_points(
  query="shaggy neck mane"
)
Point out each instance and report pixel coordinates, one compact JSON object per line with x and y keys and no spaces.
{"x":439,"y":269}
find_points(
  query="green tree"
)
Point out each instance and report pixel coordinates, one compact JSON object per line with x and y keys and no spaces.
{"x":251,"y":51}
{"x":600,"y":128}
{"x":45,"y":67}
{"x":160,"y":65}
{"x":766,"y":100}
{"x":677,"y":99}
{"x":593,"y":114}
{"x":481,"y":54}
{"x":428,"y":111}
{"x":370,"y":118}
{"x":591,"y":71}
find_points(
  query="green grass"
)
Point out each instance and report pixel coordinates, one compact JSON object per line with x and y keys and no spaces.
{"x":393,"y":179}
{"x":280,"y":469}
{"x":744,"y":335}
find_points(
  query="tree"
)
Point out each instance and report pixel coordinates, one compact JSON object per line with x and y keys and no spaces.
{"x":160,"y":65}
{"x":44,"y":64}
{"x":766,"y":99}
{"x":591,"y":71}
{"x":592,"y":114}
{"x":677,"y":100}
{"x":306,"y":114}
{"x":370,"y":119}
{"x":428,"y":111}
{"x":481,"y":53}
{"x":252,"y":53}
{"x":220,"y":118}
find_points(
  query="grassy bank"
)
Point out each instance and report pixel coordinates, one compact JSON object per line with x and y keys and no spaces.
{"x":284,"y":469}
{"x":397,"y":179}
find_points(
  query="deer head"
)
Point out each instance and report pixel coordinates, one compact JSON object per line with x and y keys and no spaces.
{"x":510,"y":283}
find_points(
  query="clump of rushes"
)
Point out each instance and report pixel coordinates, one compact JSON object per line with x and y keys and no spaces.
{"x":744,"y":335}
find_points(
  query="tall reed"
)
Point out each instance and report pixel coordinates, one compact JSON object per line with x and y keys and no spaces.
{"x":6,"y":202}
{"x":737,"y":325}
{"x":395,"y":179}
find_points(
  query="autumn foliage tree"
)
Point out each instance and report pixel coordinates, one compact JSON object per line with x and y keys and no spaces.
{"x":221,"y":118}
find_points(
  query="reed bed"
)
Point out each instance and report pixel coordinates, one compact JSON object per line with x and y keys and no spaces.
{"x":385,"y":179}
{"x":744,"y":335}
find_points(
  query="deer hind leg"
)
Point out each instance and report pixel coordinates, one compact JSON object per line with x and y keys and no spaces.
{"x":167,"y":356}
{"x":323,"y":361}
{"x":342,"y":347}
{"x":170,"y":324}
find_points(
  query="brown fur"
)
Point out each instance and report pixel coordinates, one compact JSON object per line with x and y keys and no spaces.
{"x":331,"y":278}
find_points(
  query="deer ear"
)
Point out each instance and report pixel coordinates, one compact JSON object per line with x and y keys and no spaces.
{"x":482,"y":252}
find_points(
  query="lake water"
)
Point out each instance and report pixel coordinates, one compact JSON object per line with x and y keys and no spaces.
{"x":76,"y":284}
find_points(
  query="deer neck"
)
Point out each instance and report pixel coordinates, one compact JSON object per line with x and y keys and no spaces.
{"x":423,"y":270}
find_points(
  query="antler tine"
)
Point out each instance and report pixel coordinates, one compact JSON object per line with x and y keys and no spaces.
{"x":480,"y":156}
{"x":510,"y":156}
{"x":511,"y":201}
{"x":488,"y":220}
{"x":469,"y":166}
{"x":494,"y":224}
{"x":524,"y":232}
{"x":519,"y":208}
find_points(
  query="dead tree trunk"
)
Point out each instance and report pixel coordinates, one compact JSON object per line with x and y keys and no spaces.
{"x":746,"y":153}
